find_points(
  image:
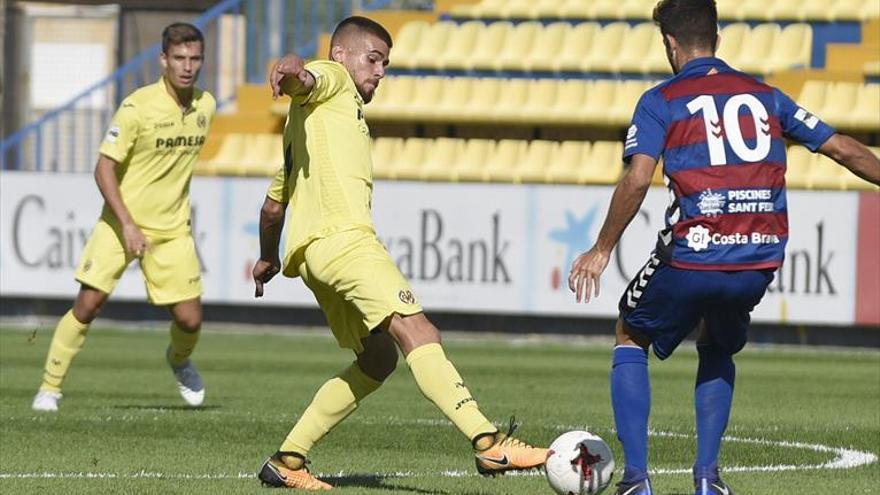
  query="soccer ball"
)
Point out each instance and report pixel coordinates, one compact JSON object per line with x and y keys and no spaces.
{"x":579,"y":463}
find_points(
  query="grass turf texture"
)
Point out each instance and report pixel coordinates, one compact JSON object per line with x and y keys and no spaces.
{"x":122,"y":420}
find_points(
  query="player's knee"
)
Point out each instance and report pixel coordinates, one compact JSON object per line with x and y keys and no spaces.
{"x":189,"y":323}
{"x":87,"y":307}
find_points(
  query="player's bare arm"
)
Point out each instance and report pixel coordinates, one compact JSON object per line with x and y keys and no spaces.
{"x":853,"y":155}
{"x":290,"y":77}
{"x":269,"y":264}
{"x":625,"y":203}
{"x":105,"y":176}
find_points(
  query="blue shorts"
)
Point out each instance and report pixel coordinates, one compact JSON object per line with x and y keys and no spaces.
{"x":667,"y":304}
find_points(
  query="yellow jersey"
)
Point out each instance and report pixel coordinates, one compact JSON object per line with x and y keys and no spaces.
{"x":327,"y":177}
{"x":156,"y":144}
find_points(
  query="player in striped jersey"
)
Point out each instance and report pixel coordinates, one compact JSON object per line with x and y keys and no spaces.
{"x":722,"y":136}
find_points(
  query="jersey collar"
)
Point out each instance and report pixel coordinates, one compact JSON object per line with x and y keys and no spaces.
{"x":193,"y":104}
{"x":702,"y":65}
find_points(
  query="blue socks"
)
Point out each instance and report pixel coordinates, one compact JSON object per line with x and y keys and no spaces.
{"x":713,"y":396}
{"x":631,"y":400}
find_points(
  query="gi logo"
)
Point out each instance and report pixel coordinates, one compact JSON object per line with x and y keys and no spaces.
{"x":711,"y":204}
{"x":201,"y":121}
{"x":406,"y":297}
{"x":698,"y":238}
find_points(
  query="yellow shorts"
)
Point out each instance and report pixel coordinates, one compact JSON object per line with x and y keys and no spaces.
{"x":356,"y":283}
{"x":170,"y":268}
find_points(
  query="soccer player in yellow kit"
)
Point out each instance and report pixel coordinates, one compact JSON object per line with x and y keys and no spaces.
{"x":327,"y":182}
{"x":143,"y":172}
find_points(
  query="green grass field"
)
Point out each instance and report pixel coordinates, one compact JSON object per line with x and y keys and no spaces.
{"x":123,"y":429}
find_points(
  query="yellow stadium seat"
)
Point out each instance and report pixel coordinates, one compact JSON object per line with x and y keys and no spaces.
{"x":535,"y":164}
{"x":264,"y":155}
{"x":424,"y":101}
{"x":813,"y":96}
{"x":485,"y":93}
{"x":407,"y":165}
{"x":866,"y":115}
{"x":490,"y":9}
{"x":728,"y":9}
{"x":637,"y":9}
{"x":407,"y":42}
{"x":841,"y":103}
{"x":570,"y":96}
{"x":519,"y":44}
{"x":229,"y":157}
{"x":656,"y":62}
{"x":549,"y":43}
{"x":870,"y":10}
{"x":871,"y":68}
{"x":731,"y":42}
{"x":566,"y":162}
{"x":756,"y":46}
{"x":514,"y":95}
{"x":799,"y":167}
{"x":605,"y":163}
{"x":847,"y":10}
{"x":462,"y":41}
{"x":605,"y":47}
{"x":384,"y":152}
{"x":433,"y":39}
{"x":636,"y":43}
{"x":504,"y":161}
{"x":626,"y":96}
{"x":574,"y":9}
{"x":468,"y":10}
{"x":489,"y":45}
{"x":815,"y":10}
{"x":755,"y":10}
{"x":542,"y":96}
{"x":392,"y":97}
{"x":827,"y":174}
{"x":439,"y":164}
{"x":518,"y":9}
{"x":793,"y":49}
{"x":454,"y":97}
{"x":786,"y":10}
{"x":597,"y":101}
{"x":471,"y":163}
{"x":543,"y":9}
{"x":605,"y":9}
{"x":578,"y":42}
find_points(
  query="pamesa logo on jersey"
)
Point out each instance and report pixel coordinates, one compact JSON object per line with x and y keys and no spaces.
{"x":575,"y":238}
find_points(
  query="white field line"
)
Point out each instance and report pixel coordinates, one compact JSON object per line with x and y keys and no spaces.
{"x":843,"y":459}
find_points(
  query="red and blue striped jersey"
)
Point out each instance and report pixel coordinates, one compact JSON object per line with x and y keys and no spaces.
{"x":721,"y":134}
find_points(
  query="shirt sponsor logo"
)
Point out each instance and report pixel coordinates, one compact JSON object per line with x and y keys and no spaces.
{"x":807,"y":118}
{"x":711,"y":203}
{"x":180,"y":141}
{"x":700,"y":237}
{"x":162,"y":125}
{"x":112,"y":134}
{"x":750,"y":201}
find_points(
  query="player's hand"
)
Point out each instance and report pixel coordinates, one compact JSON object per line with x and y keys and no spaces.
{"x":264,"y":270}
{"x":585,"y":272}
{"x":135,"y":241}
{"x":288,"y":65}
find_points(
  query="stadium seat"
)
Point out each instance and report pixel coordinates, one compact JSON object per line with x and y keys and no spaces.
{"x":866,"y":115}
{"x":425,"y":97}
{"x":407,"y":165}
{"x":731,"y":42}
{"x":542,"y":96}
{"x":637,"y":9}
{"x":786,"y":11}
{"x":574,"y":9}
{"x":392,"y":97}
{"x":569,"y":104}
{"x":566,"y":162}
{"x":518,"y":9}
{"x":756,"y":10}
{"x":578,"y":42}
{"x":792,"y":50}
{"x":799,"y":167}
{"x":407,"y":41}
{"x":454,"y":97}
{"x":607,"y":43}
{"x":484,"y":94}
{"x":506,"y":158}
{"x":228,"y":158}
{"x":637,"y":42}
{"x":600,"y":94}
{"x":757,"y":45}
{"x":870,"y":9}
{"x":547,"y":9}
{"x":827,"y":174}
{"x":263,"y":155}
{"x":813,"y":96}
{"x":384,"y":150}
{"x":441,"y":158}
{"x":605,"y":163}
{"x":728,"y":9}
{"x":605,"y":9}
{"x":626,"y":96}
{"x":519,"y":44}
{"x":535,"y":164}
{"x":490,"y":43}
{"x":461,"y":42}
{"x":514,"y":96}
{"x":655,"y":61}
{"x":840,"y":104}
{"x":492,"y":9}
{"x":436,"y":36}
{"x":549,"y":43}
{"x":472,"y":161}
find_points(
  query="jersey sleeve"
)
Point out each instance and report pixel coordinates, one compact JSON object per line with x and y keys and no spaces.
{"x":122,"y":133}
{"x":330,"y":78}
{"x":647,"y":131}
{"x":799,"y":124}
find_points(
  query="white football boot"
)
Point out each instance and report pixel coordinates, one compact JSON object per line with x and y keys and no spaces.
{"x":46,"y":401}
{"x":189,"y":382}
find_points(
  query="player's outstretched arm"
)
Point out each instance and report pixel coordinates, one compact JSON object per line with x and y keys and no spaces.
{"x":625,"y":203}
{"x":854,"y":156}
{"x":105,"y":176}
{"x":269,"y":264}
{"x":290,"y":77}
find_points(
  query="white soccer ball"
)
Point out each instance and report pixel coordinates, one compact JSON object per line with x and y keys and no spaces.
{"x":579,"y":463}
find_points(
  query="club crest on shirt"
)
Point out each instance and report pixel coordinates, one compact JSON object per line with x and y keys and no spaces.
{"x":406,"y":297}
{"x":201,"y":121}
{"x":711,"y":203}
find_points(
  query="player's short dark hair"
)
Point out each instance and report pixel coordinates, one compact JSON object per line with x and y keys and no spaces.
{"x":181,"y":32}
{"x":693,"y":23}
{"x":363,"y":24}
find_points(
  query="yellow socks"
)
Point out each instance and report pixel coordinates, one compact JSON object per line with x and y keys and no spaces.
{"x":182,"y":345}
{"x":441,"y":384}
{"x":68,"y":339}
{"x":333,"y":402}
